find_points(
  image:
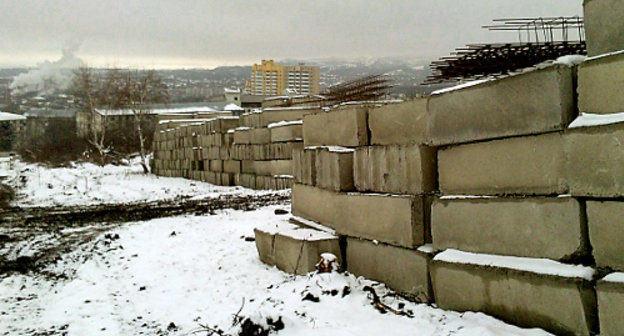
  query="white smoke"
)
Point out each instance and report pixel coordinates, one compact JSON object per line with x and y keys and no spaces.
{"x":49,"y":76}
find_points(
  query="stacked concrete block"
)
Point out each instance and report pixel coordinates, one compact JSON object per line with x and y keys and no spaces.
{"x":600,"y":81}
{"x":604,"y":29}
{"x":195,"y":148}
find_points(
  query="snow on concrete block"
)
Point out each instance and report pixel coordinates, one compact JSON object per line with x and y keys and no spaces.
{"x":399,"y":124}
{"x":294,"y":249}
{"x":334,"y":168}
{"x":604,"y":29}
{"x":600,"y":83}
{"x":533,"y":165}
{"x":404,"y":270}
{"x":606,"y":233}
{"x":596,"y":160}
{"x":287,"y":132}
{"x":345,"y":126}
{"x":395,"y":169}
{"x":525,"y":291}
{"x":277,"y":114}
{"x":610,"y":293}
{"x":530,"y":103}
{"x":393,"y":219}
{"x":534,"y":227}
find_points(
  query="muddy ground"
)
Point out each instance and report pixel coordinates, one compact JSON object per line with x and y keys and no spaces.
{"x":33,"y":237}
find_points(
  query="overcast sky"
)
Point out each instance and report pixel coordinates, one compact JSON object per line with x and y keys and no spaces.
{"x":207,"y":33}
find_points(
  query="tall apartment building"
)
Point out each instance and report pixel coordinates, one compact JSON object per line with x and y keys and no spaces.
{"x":268,"y":78}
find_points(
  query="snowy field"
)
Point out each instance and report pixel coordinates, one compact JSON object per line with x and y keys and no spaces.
{"x":194,"y":275}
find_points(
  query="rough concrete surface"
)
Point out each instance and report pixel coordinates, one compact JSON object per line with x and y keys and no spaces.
{"x":395,"y":169}
{"x":596,"y":161}
{"x":606,"y":232}
{"x":536,"y":227}
{"x":604,"y":28}
{"x":404,"y":270}
{"x":564,"y":306}
{"x":600,"y":84}
{"x":396,"y":220}
{"x":265,"y":244}
{"x":304,"y":166}
{"x":530,"y":103}
{"x":272,"y":115}
{"x":232,"y":166}
{"x":269,"y":168}
{"x":346,"y":126}
{"x":334,"y":170}
{"x":298,"y":256}
{"x":287,"y":133}
{"x":533,"y":165}
{"x":610,"y":307}
{"x":399,"y":124}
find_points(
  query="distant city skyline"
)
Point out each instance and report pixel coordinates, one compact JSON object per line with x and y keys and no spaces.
{"x":206,"y":34}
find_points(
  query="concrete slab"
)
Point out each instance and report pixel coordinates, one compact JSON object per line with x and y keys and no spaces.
{"x":304,"y":166}
{"x":600,"y":84}
{"x":269,"y":168}
{"x":216,"y":166}
{"x":595,"y":161}
{"x":606,"y":233}
{"x":396,"y":220}
{"x":399,"y":124}
{"x":530,"y":103}
{"x":610,"y":307}
{"x":272,"y":115}
{"x":533,"y":165}
{"x":395,"y":169}
{"x":565,"y":306}
{"x":404,"y":270}
{"x":265,"y":241}
{"x":604,"y":29}
{"x":345,"y":126}
{"x":232,"y":166}
{"x":287,"y":133}
{"x":334,"y":169}
{"x":534,"y":227}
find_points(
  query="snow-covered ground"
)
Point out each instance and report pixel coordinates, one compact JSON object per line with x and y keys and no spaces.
{"x":180,"y":275}
{"x":86,"y":184}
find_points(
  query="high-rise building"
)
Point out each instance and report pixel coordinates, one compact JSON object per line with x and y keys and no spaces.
{"x":268,"y":78}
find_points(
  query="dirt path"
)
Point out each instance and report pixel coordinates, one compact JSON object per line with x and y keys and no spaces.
{"x":31,"y":238}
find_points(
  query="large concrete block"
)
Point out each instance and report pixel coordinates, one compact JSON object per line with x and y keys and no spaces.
{"x":294,"y":249}
{"x":533,"y":165}
{"x":232,"y":166}
{"x":527,"y":227}
{"x":565,"y":305}
{"x":604,"y":29}
{"x":277,"y":114}
{"x":404,"y":270}
{"x":342,"y":127}
{"x":610,"y":293}
{"x":600,"y":84}
{"x":242,"y":135}
{"x":396,"y":220}
{"x":269,"y":168}
{"x":334,"y":168}
{"x":606,"y":233}
{"x":395,"y":169}
{"x":399,"y":124}
{"x":596,"y":161}
{"x":287,"y":132}
{"x":304,"y":166}
{"x":530,"y":103}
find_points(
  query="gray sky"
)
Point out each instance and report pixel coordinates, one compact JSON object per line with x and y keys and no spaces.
{"x":207,"y":33}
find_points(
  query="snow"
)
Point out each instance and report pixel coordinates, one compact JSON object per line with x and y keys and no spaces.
{"x":462,"y":86}
{"x":292,"y":108}
{"x":333,"y":149}
{"x":285,"y":228}
{"x":285,"y":123}
{"x":6,"y":116}
{"x":173,"y":110}
{"x":86,"y":184}
{"x":232,"y":107}
{"x":570,"y":60}
{"x":453,"y":197}
{"x":535,"y":265}
{"x":590,"y":119}
{"x":617,"y":277}
{"x":427,"y":248}
{"x":619,"y":52}
{"x":314,"y":225}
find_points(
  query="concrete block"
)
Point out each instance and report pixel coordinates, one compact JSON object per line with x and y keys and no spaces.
{"x":395,"y":169}
{"x":285,"y":133}
{"x":606,"y":233}
{"x":562,"y":305}
{"x":272,"y":115}
{"x":610,"y":296}
{"x":304,"y":166}
{"x":260,"y":136}
{"x":534,"y":227}
{"x":530,"y":103}
{"x":596,"y":161}
{"x":334,"y":168}
{"x":216,"y":166}
{"x":342,"y":127}
{"x":399,"y":124}
{"x":604,"y":29}
{"x":533,"y":165}
{"x":396,"y":220}
{"x":242,"y":136}
{"x":269,"y":168}
{"x":404,"y":270}
{"x":232,"y":166}
{"x":600,"y":84}
{"x":294,"y":249}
